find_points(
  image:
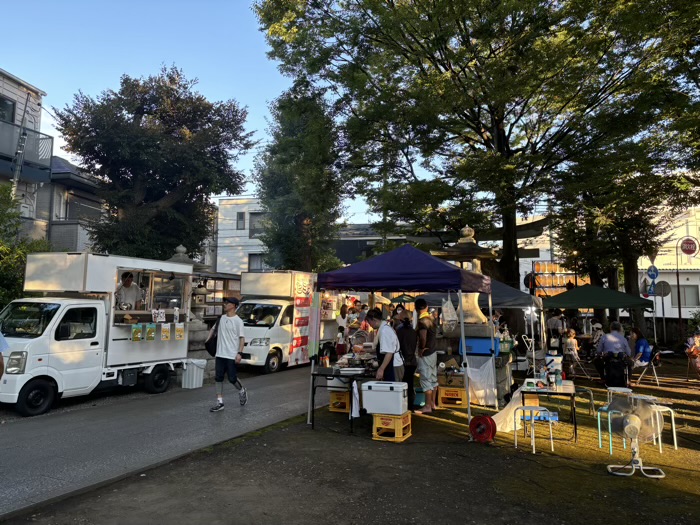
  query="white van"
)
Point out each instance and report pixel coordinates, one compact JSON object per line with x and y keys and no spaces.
{"x":276,"y":313}
{"x":76,"y":338}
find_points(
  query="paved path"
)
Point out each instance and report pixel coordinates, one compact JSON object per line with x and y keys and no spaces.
{"x":48,"y":457}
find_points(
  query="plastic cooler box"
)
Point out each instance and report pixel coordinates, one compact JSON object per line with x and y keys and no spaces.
{"x":554,"y":362}
{"x":385,"y":397}
{"x":480,"y":346}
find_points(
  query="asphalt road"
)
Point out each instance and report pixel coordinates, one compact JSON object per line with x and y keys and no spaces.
{"x":87,"y":442}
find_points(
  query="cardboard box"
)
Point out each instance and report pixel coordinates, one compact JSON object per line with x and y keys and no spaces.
{"x":452,"y":380}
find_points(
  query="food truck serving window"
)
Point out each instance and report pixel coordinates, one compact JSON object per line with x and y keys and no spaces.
{"x":26,"y":319}
{"x":168,"y":293}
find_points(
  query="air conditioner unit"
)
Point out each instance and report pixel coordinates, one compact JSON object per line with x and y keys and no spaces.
{"x":25,"y":211}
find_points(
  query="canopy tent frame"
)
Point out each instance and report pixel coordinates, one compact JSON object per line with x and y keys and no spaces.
{"x":407,"y":269}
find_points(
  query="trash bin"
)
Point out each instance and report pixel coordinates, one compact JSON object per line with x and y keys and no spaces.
{"x":193,"y":374}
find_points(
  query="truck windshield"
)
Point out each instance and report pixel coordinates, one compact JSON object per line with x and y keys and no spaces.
{"x":259,"y":314}
{"x":26,"y":319}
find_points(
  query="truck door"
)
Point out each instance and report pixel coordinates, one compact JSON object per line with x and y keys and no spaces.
{"x":286,"y":327}
{"x":76,"y":349}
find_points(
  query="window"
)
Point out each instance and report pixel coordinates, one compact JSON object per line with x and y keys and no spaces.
{"x":77,"y":323}
{"x":240,"y":220}
{"x":689,"y":295}
{"x":287,"y":316}
{"x":26,"y":319}
{"x":7,"y":110}
{"x":255,"y":262}
{"x":256,"y":224}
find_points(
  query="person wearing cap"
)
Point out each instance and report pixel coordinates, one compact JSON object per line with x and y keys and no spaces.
{"x":128,"y":292}
{"x":229,"y":346}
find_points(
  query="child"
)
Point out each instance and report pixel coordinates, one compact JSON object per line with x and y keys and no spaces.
{"x":340,"y":348}
{"x":571,"y":344}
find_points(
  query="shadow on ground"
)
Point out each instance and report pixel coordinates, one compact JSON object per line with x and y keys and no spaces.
{"x":291,"y":474}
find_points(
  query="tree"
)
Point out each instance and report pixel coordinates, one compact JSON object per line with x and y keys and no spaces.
{"x":299,"y":185}
{"x":13,"y":248}
{"x":494,"y":97}
{"x":159,"y":149}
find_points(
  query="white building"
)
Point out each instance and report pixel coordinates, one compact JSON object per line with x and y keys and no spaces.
{"x":238,"y":247}
{"x":20,"y":121}
{"x":670,"y":259}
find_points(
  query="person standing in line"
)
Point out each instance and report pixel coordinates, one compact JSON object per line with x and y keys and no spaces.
{"x":555,"y":330}
{"x":229,"y":345}
{"x":426,"y":356}
{"x":408,"y":342}
{"x":388,"y":349}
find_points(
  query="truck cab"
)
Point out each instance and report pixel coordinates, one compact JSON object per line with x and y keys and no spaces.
{"x":56,"y":348}
{"x":268,"y":332}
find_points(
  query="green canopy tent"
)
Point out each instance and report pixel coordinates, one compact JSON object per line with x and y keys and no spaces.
{"x":589,"y":296}
{"x":403,"y":298}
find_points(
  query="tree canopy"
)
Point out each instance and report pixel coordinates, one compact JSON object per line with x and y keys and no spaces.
{"x":299,"y":184}
{"x":496,"y":98}
{"x":159,"y":149}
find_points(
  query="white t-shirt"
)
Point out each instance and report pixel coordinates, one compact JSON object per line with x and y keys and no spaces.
{"x":228,"y":336}
{"x":131,"y":295}
{"x":389,"y":343}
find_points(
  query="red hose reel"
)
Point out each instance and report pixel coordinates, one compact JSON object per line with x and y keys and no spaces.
{"x":483,"y":429}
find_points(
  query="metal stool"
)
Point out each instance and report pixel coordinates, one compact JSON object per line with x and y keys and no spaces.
{"x":606,"y":410}
{"x":658,"y":412}
{"x":532,"y":410}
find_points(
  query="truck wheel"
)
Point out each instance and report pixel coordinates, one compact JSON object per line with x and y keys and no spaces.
{"x":273,"y":362}
{"x":36,"y":397}
{"x":158,"y":380}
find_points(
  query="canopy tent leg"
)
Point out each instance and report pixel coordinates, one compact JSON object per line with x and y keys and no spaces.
{"x":493,"y":354}
{"x":465,"y":364}
{"x":533,"y":340}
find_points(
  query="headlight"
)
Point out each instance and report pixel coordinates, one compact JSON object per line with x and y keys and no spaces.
{"x":260,"y":341}
{"x":16,"y":363}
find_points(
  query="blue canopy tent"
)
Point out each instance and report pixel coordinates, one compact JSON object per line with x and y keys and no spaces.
{"x":407,"y":269}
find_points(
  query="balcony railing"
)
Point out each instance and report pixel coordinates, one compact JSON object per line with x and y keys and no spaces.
{"x":38,"y":147}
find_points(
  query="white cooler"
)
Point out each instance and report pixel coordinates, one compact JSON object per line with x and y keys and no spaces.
{"x":385,"y":397}
{"x":554,"y":362}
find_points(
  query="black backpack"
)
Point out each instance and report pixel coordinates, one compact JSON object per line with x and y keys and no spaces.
{"x":616,"y":372}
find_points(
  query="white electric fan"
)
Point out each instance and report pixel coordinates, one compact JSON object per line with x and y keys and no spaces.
{"x":633,"y":420}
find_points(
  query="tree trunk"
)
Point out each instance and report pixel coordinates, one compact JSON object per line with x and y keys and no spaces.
{"x":599,"y":313}
{"x":509,"y":264}
{"x":630,"y":271}
{"x":613,"y":284}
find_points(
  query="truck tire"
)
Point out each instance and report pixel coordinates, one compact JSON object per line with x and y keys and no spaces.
{"x":158,"y":380}
{"x":273,"y":362}
{"x":36,"y":397}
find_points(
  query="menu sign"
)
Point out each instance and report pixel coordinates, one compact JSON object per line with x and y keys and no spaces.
{"x":303,"y":290}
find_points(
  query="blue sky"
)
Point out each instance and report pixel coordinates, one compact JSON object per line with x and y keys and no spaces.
{"x":65,"y":46}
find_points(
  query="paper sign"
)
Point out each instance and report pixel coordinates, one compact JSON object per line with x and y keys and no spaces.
{"x":179,"y":331}
{"x":137,"y":332}
{"x":165,"y":332}
{"x":151,"y":332}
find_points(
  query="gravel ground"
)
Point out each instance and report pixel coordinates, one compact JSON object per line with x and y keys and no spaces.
{"x":291,"y":474}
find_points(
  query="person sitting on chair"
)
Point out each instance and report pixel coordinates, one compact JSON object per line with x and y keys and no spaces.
{"x":642,"y":350}
{"x":693,"y":350}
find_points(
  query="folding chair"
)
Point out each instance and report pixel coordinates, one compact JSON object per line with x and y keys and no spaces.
{"x":651,"y":364}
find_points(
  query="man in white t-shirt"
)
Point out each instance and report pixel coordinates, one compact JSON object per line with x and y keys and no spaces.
{"x":128,"y":292}
{"x":388,"y":348}
{"x":229,"y":346}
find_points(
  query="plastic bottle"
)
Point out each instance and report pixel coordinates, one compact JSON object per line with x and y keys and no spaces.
{"x":558,"y":380}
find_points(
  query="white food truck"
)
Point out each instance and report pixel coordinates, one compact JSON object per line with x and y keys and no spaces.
{"x":278,"y":314}
{"x":76,"y":336}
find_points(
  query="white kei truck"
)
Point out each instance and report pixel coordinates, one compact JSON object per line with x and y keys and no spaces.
{"x":277,"y":314}
{"x":74,"y":337}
